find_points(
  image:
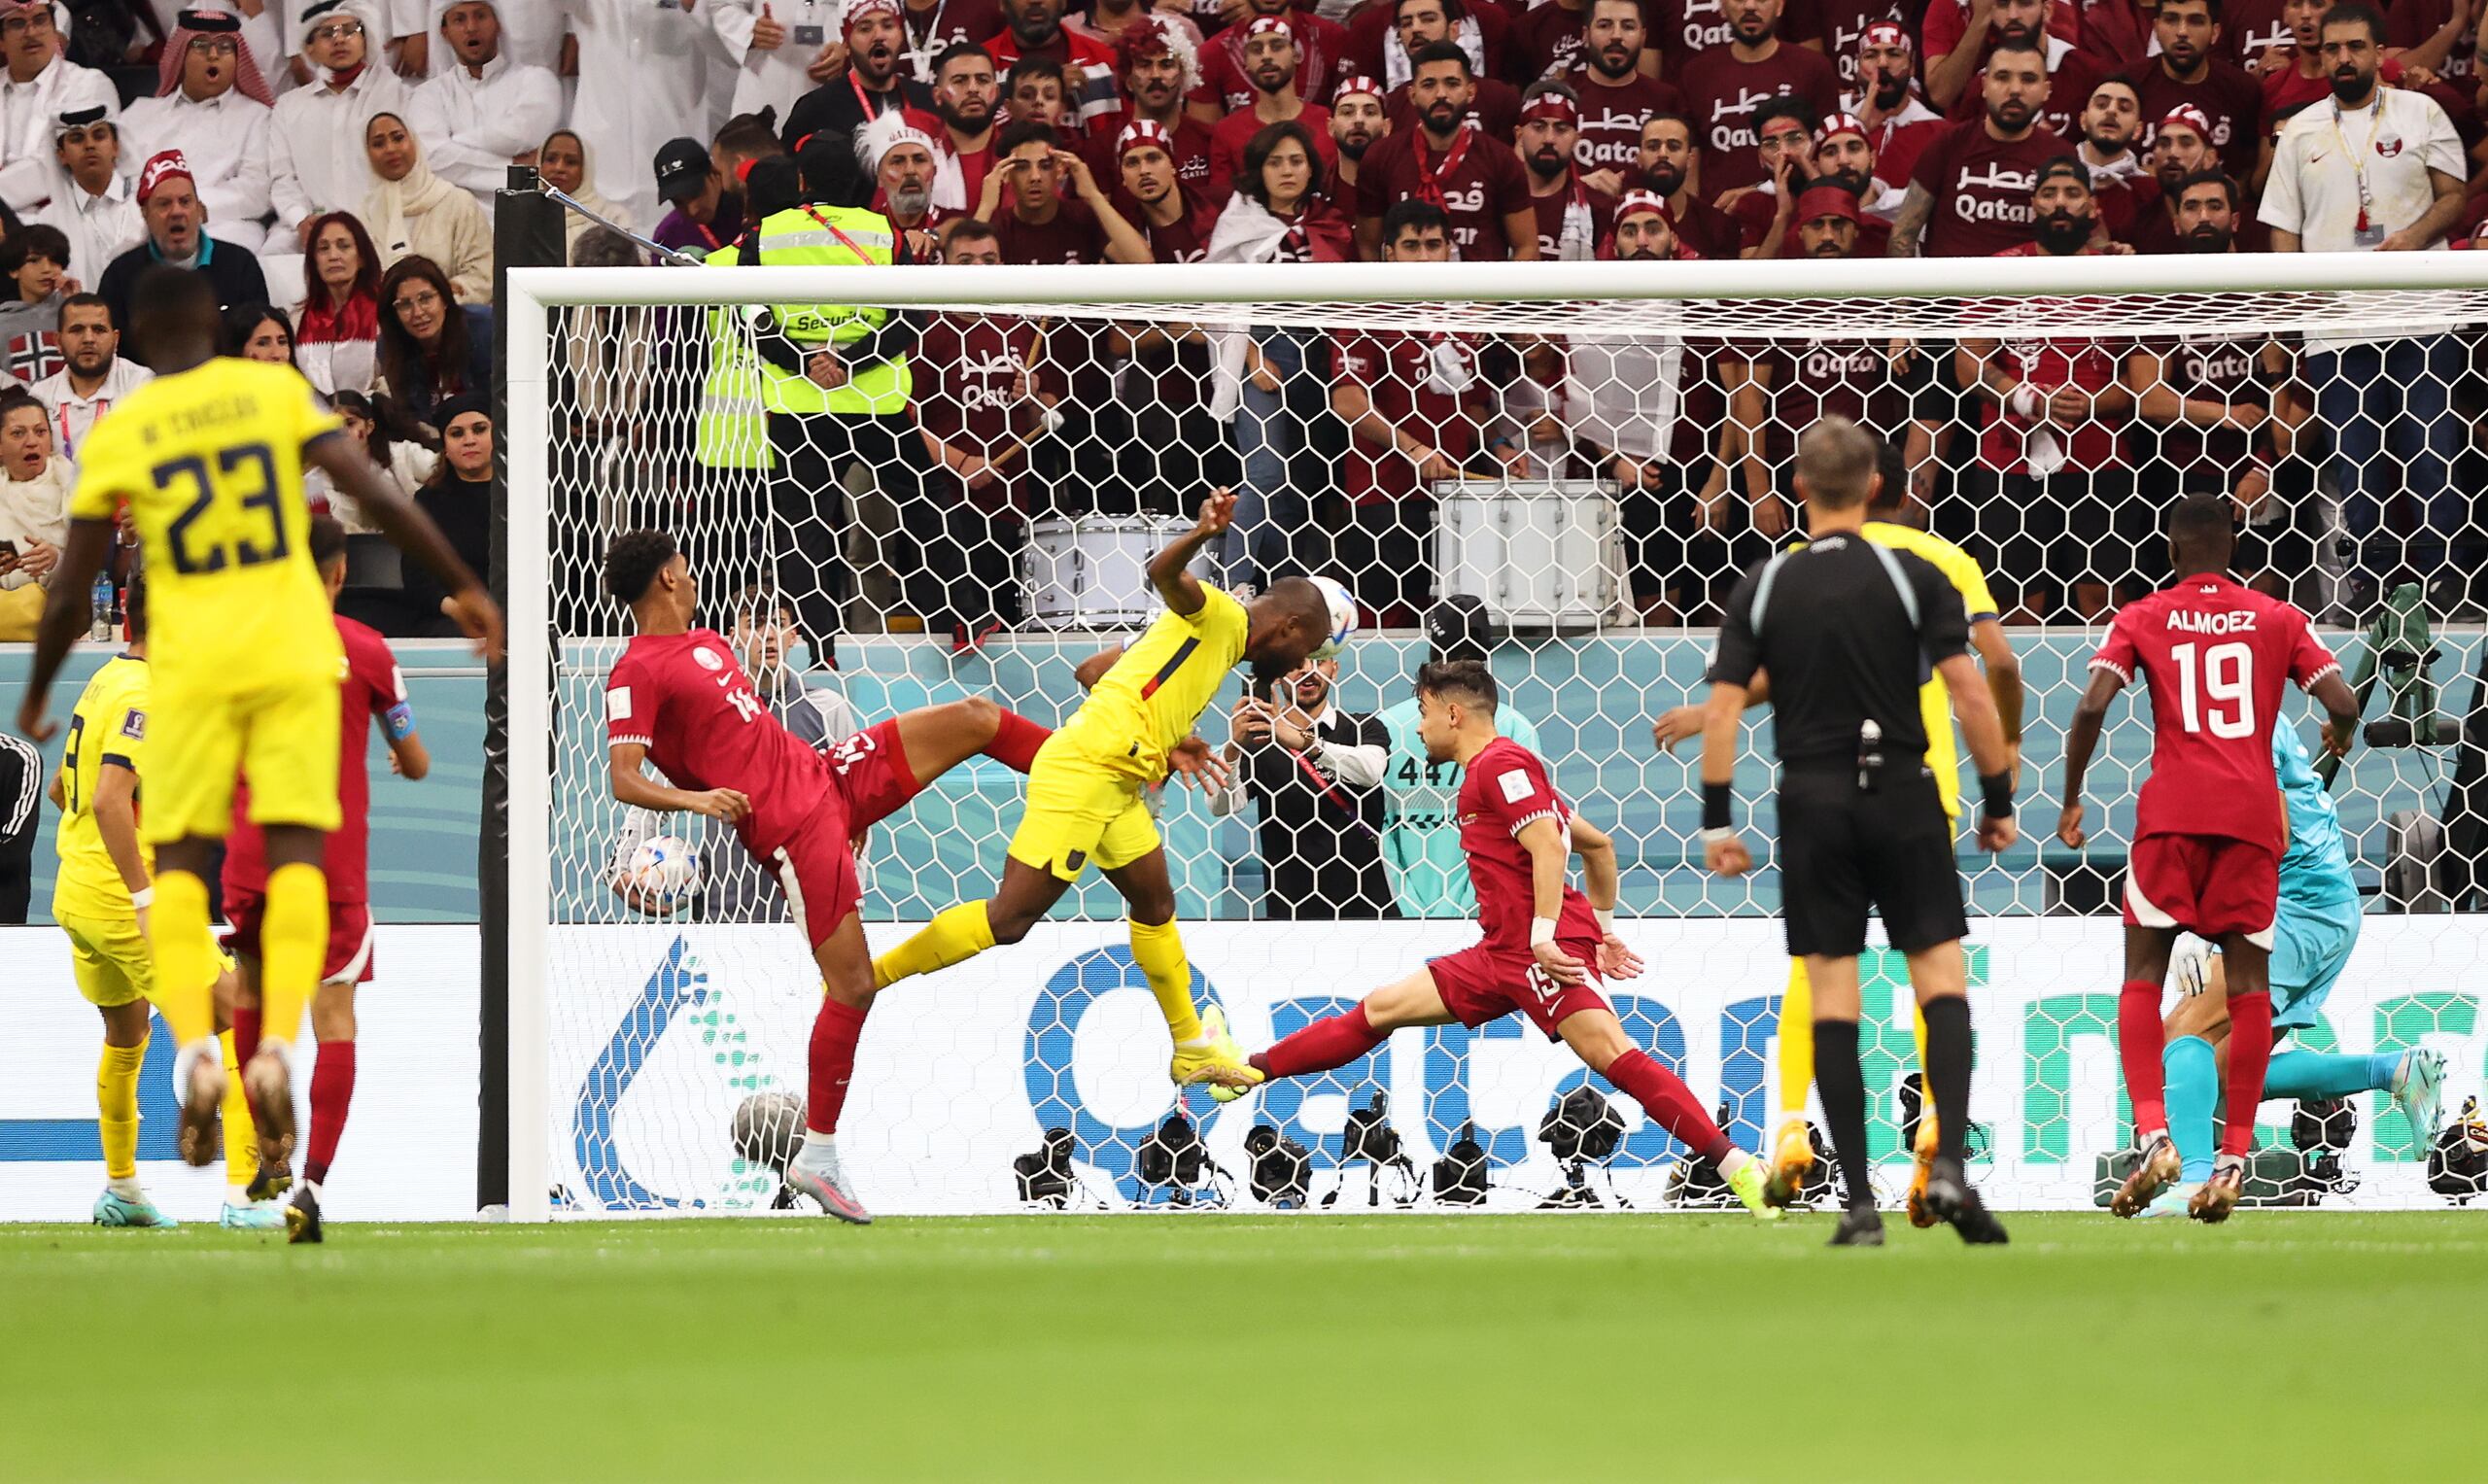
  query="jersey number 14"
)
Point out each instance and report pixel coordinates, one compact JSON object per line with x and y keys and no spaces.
{"x":2226,"y":676}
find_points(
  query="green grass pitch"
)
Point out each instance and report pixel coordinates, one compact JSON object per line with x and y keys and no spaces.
{"x":2283,"y":1346}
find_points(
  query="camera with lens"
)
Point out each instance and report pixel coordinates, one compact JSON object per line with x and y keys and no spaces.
{"x":1581,"y":1128}
{"x":2320,"y":1128}
{"x":1044,"y":1174}
{"x":1460,"y":1175}
{"x":1370,"y":1139}
{"x":1172,"y":1156}
{"x":1281,"y":1174}
{"x":2457,"y":1160}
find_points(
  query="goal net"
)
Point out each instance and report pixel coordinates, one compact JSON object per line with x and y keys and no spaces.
{"x":1561,"y":468}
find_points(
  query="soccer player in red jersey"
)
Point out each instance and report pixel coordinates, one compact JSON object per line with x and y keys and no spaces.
{"x":2210,"y":827}
{"x":373,"y":691}
{"x":679,"y":699}
{"x":1546,"y":944}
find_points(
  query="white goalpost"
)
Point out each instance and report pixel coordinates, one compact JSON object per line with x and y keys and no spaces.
{"x":1072,"y":416}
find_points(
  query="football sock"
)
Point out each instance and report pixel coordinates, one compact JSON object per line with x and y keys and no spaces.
{"x":1328,"y":1043}
{"x":185,"y":955}
{"x":1842,"y":1083}
{"x":1947,"y":1053}
{"x":246,"y":1031}
{"x":1796,"y":1042}
{"x":2250,"y":1050}
{"x":1159,"y":948}
{"x":955,"y":935}
{"x":1670,"y":1103}
{"x":294,"y":942}
{"x":241,"y":1139}
{"x":2138,"y":1044}
{"x":1016,"y":741}
{"x":835,"y":1031}
{"x":117,"y":1109}
{"x":2303,"y":1074}
{"x":331,"y":1094}
{"x":2193,"y":1099}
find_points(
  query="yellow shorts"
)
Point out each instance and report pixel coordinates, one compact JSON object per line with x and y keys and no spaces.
{"x":111,"y":959}
{"x":1079,"y":810}
{"x":200,"y":739}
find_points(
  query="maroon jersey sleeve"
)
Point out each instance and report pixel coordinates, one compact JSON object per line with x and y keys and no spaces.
{"x":1516,"y":791}
{"x":2309,"y":660}
{"x":2118,"y":654}
{"x":374,"y":670}
{"x":631,"y":704}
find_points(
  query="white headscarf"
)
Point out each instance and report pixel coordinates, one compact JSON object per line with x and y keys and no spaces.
{"x":389,"y":206}
{"x":574,"y":225}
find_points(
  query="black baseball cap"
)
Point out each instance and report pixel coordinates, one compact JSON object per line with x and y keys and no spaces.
{"x":682,"y":168}
{"x":1457,"y":629}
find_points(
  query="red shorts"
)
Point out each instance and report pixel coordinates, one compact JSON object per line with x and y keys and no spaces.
{"x":1483,"y":983}
{"x":816,"y":870}
{"x":2208,"y":885}
{"x":349,"y":957}
{"x":870,"y":771}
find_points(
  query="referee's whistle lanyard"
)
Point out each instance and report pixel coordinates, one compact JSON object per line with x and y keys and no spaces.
{"x":2369,"y":231}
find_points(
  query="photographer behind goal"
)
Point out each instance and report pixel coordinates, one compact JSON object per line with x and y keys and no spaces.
{"x":1847,"y":631}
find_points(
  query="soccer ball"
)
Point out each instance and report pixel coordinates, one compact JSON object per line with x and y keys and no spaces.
{"x":663,"y":874}
{"x":1344,"y":618}
{"x":768,"y":1128}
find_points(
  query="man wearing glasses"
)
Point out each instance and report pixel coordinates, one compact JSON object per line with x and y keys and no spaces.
{"x":213,"y":105}
{"x":41,"y":85}
{"x":316,"y":161}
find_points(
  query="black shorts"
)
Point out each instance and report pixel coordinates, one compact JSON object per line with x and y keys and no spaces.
{"x":1842,"y":851}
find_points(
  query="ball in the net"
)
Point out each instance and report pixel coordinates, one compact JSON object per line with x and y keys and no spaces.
{"x":663,"y":872}
{"x":767,"y":1127}
{"x":1344,"y":618}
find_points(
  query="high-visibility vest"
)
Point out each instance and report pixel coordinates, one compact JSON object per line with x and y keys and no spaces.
{"x":733,"y":427}
{"x":828,"y":235}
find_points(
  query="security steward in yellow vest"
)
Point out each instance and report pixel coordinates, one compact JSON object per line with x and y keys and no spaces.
{"x":731,"y":441}
{"x":833,"y":380}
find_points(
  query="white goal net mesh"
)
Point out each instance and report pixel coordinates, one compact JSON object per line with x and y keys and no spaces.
{"x":1570,"y":490}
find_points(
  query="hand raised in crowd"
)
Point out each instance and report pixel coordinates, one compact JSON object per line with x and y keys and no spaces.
{"x":827,"y":62}
{"x":1084,"y":180}
{"x":768,"y":34}
{"x":1251,"y":721}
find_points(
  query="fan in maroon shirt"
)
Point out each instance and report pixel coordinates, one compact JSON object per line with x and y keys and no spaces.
{"x":1615,"y":99}
{"x":1154,"y":66}
{"x":1546,"y":40}
{"x":1572,"y":218}
{"x":1384,"y":38}
{"x":2071,"y":76}
{"x":1321,"y":55}
{"x":1034,"y":29}
{"x":1970,"y":196}
{"x":2187,"y":74}
{"x":1843,"y":25}
{"x":1946,"y":26}
{"x":1664,"y":165}
{"x":2209,"y":831}
{"x":1175,"y":219}
{"x":2250,"y":30}
{"x":679,"y":699}
{"x":1687,"y":31}
{"x":1023,"y":199}
{"x":2293,"y":74}
{"x":1271,"y":66}
{"x":1724,"y":87}
{"x":1476,"y":179}
{"x":2126,"y":191}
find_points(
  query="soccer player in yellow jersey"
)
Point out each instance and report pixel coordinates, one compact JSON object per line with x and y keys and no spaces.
{"x":245,"y":661}
{"x":1085,"y":800}
{"x":1791,"y":1156}
{"x":101,"y":898}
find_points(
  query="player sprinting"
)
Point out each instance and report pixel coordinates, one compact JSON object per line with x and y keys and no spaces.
{"x":101,"y":899}
{"x":2312,"y":936}
{"x":1084,"y":794}
{"x":1793,"y":1154}
{"x":373,"y":692}
{"x":678,"y":697}
{"x":244,"y":657}
{"x":1547,"y":945}
{"x":2208,"y":827}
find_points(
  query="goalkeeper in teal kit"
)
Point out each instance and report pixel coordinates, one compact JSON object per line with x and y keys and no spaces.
{"x":2313,"y":935}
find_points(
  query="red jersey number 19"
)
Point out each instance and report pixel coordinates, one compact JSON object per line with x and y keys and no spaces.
{"x":2226,"y":676}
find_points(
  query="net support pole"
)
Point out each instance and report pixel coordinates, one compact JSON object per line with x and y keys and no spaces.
{"x":512,"y":864}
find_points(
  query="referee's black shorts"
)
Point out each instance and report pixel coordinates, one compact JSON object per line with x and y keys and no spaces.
{"x":1842,"y":850}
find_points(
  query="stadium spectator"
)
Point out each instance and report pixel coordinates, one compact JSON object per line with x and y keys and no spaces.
{"x":1034,"y":92}
{"x":2070,"y":75}
{"x":2051,"y":486}
{"x":1845,"y":155}
{"x":1033,"y":29}
{"x":2380,"y":169}
{"x":2126,"y":193}
{"x":2188,"y":74}
{"x":1493,"y":105}
{"x":1416,"y":406}
{"x":1054,"y":211}
{"x":2294,"y":75}
{"x":432,"y":347}
{"x":90,"y":199}
{"x":168,"y":202}
{"x":338,"y":342}
{"x":1108,"y":20}
{"x":258,"y":332}
{"x":315,"y":159}
{"x":782,"y":51}
{"x":412,"y":213}
{"x":458,"y":498}
{"x":1885,"y":99}
{"x":39,"y":87}
{"x":1158,"y":420}
{"x":1970,"y":196}
{"x":967,"y":100}
{"x":1547,"y":42}
{"x":643,"y":78}
{"x":2181,"y":147}
{"x":875,"y":84}
{"x":707,"y":213}
{"x":34,"y":511}
{"x":935,"y":27}
{"x":742,"y":140}
{"x":1957,"y":35}
{"x":1615,"y":98}
{"x":1384,"y":40}
{"x":1723,"y":85}
{"x":484,"y":112}
{"x":21,"y":785}
{"x":395,"y":447}
{"x":983,"y":394}
{"x":562,"y":161}
{"x":92,"y":376}
{"x":1839,"y":32}
{"x":2255,"y":34}
{"x":1784,"y":128}
{"x":1446,"y":163}
{"x":35,"y":261}
{"x":1156,"y":68}
{"x":1269,"y":379}
{"x":214,"y":107}
{"x":904,"y":174}
{"x":1175,"y":217}
{"x":1313,"y":772}
{"x":1665,"y":169}
{"x":1270,"y":67}
{"x":1358,"y":123}
{"x":1572,"y":218}
{"x":1317,"y":46}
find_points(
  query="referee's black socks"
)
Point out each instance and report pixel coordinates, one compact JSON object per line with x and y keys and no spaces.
{"x":1842,"y":1085}
{"x":1948,"y":1069}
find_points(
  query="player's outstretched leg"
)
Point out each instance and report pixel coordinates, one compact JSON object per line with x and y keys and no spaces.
{"x":2140,"y":1043}
{"x":847,"y":976}
{"x":1793,"y":1152}
{"x":937,"y":739}
{"x":1597,"y":1038}
{"x":124,"y":1201}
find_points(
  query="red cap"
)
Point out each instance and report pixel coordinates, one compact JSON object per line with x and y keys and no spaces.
{"x":1553,"y":107}
{"x":163,"y":167}
{"x":1841,"y":124}
{"x":1817,"y":202}
{"x":2188,"y":115}
{"x":1884,"y":33}
{"x":1141,"y":131}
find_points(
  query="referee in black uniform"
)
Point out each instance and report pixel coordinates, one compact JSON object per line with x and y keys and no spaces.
{"x":1848,"y":631}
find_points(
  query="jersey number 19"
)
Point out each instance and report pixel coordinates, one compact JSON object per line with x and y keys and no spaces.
{"x":2228,"y":677}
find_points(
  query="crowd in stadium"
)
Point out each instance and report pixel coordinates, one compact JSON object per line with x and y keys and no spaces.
{"x":331,"y":165}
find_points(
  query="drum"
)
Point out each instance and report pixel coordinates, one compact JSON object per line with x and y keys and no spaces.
{"x":1541,"y":556}
{"x":1092,"y":572}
